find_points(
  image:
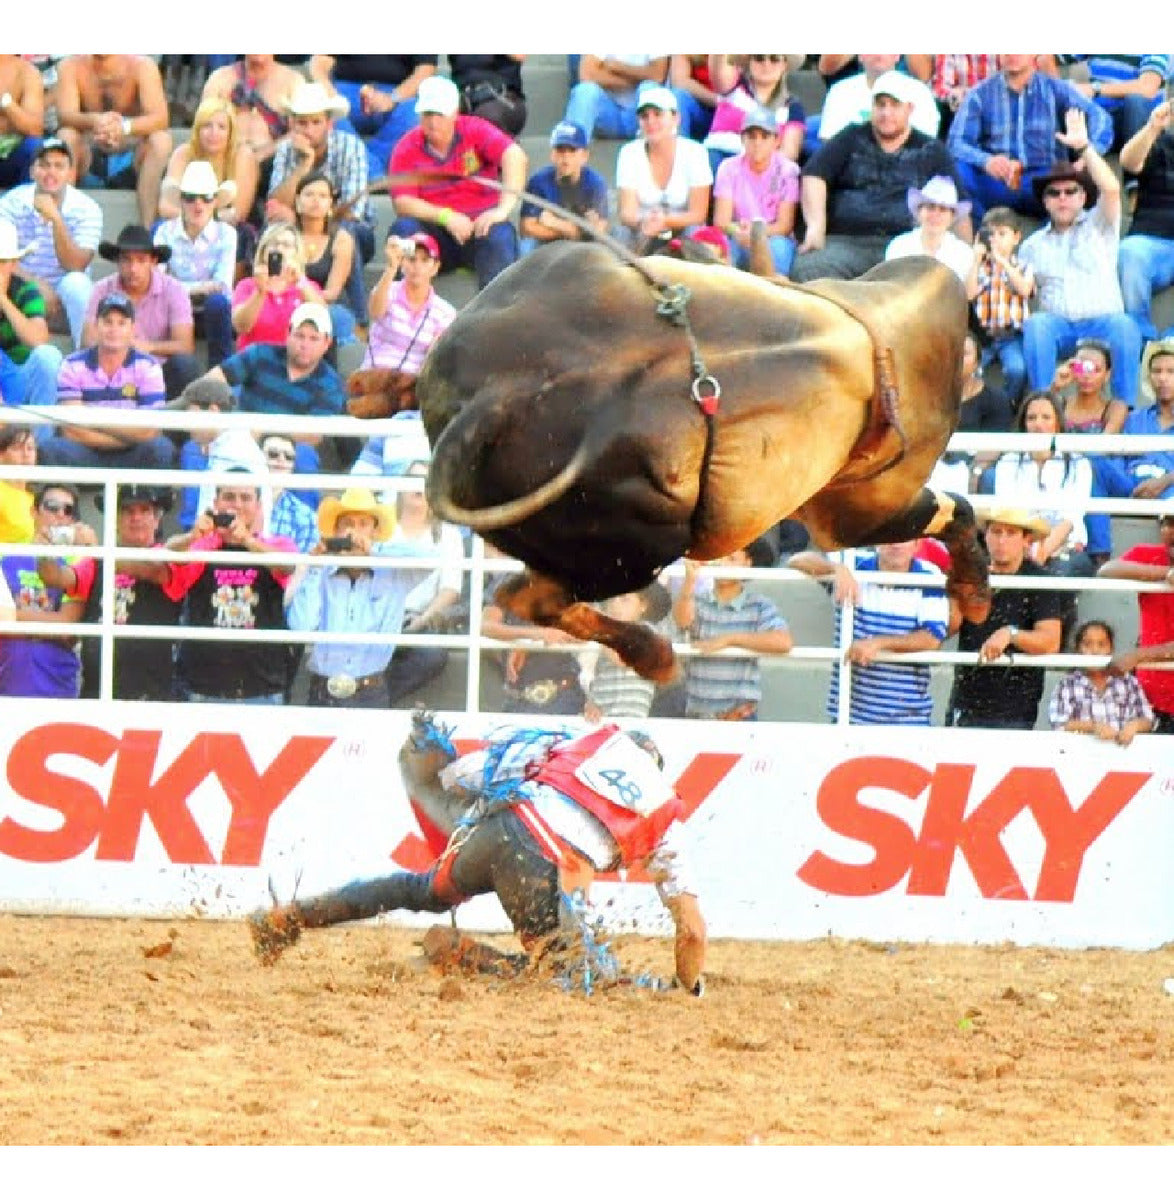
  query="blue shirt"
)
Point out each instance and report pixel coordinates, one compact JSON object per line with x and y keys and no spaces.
{"x":259,"y":376}
{"x":1153,"y":463}
{"x":295,"y":519}
{"x":328,"y":601}
{"x":590,"y":193}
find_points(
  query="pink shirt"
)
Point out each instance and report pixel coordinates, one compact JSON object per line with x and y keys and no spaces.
{"x":403,"y":335}
{"x":757,"y":196}
{"x":272,"y":324}
{"x":165,"y":308}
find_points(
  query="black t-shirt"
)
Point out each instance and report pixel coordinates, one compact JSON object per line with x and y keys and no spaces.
{"x":1154,"y":215}
{"x":868,"y":187}
{"x":1005,"y":693}
{"x":987,"y":412}
{"x":486,"y":68}
{"x":388,"y":69}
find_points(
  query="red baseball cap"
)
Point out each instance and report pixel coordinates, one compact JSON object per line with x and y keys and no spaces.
{"x":428,"y":242}
{"x":712,"y":236}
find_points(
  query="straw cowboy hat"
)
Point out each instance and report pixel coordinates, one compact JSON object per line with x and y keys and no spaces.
{"x":1031,"y":524}
{"x":8,"y":247}
{"x":1066,"y":172}
{"x":312,"y":98}
{"x":940,"y":190}
{"x":1151,"y":351}
{"x":355,"y":500}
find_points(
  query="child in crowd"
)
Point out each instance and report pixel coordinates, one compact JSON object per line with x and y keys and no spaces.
{"x":569,"y":182}
{"x":615,"y":690}
{"x":999,"y":290}
{"x":935,"y":208}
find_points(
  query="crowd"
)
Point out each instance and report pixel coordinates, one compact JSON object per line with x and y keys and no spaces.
{"x":244,"y":275}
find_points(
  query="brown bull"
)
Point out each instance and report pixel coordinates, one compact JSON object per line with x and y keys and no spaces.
{"x":565,"y":418}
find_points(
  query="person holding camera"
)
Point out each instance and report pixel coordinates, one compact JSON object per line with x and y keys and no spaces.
{"x":263,"y":304}
{"x":352,"y":599}
{"x":407,"y":315}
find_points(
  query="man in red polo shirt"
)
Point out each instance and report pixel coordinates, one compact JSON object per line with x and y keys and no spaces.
{"x":472,"y":223}
{"x":1155,"y":642}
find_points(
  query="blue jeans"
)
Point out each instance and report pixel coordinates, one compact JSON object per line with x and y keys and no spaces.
{"x":14,"y":168}
{"x":488,"y":255}
{"x":73,"y":290}
{"x":306,"y":462}
{"x":1009,"y":352}
{"x":782,"y":251}
{"x":1046,"y":336}
{"x":343,"y":321}
{"x":157,"y":454}
{"x":35,"y":380}
{"x":987,"y":192}
{"x":595,"y":109}
{"x":379,"y":131}
{"x":268,"y":698}
{"x":696,"y":117}
{"x":216,"y":315}
{"x":1129,"y":114}
{"x":1145,"y":265}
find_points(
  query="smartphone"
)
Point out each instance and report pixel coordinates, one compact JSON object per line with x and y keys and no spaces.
{"x":223,"y":520}
{"x":335,"y":545}
{"x":61,"y":535}
{"x":274,"y":262}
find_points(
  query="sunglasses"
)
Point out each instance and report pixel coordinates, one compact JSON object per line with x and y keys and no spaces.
{"x":767,"y":58}
{"x":1052,"y":192}
{"x":276,"y":455}
{"x":58,"y":507}
{"x":192,"y":197}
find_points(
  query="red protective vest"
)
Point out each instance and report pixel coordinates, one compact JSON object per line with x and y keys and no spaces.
{"x":636,"y":834}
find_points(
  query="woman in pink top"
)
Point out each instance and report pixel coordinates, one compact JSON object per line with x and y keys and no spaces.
{"x":747,"y":82}
{"x":262,"y":305}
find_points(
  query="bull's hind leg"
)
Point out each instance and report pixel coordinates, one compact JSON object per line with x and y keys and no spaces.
{"x":950,"y":519}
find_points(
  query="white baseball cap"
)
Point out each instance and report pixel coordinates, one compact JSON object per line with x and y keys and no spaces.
{"x":896,"y":84}
{"x":438,"y":94}
{"x":317,"y":314}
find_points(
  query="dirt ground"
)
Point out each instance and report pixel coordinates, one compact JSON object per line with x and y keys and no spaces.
{"x":148,"y":1032}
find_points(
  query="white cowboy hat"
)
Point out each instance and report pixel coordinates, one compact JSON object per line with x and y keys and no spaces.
{"x":8,"y":247}
{"x":355,"y":500}
{"x":313,"y":98}
{"x":199,"y":179}
{"x":942,"y":190}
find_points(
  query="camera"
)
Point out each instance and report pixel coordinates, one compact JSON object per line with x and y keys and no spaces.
{"x":223,"y":520}
{"x":62,"y":535}
{"x":1082,"y":367}
{"x":335,"y":545}
{"x":274,"y":262}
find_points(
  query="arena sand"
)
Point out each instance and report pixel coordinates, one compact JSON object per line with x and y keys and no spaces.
{"x":145,"y":1032}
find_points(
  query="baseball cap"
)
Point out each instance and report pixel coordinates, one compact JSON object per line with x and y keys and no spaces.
{"x":202,"y":393}
{"x":896,"y":84}
{"x":656,"y":97}
{"x":567,"y":133}
{"x":427,"y":241}
{"x":760,"y":118}
{"x":438,"y":94}
{"x":317,"y":314}
{"x":54,"y":143}
{"x":116,"y":302}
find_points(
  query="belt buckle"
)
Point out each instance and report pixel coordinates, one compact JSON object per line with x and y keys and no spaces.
{"x":341,"y":687}
{"x":541,"y":692}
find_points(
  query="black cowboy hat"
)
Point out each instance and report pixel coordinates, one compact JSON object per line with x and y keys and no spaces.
{"x":1066,"y":172}
{"x":161,"y":497}
{"x":133,"y":237}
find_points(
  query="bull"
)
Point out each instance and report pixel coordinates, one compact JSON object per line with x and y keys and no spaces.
{"x":600,"y":418}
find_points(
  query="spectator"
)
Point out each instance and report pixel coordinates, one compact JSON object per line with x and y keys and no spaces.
{"x":314,"y":144}
{"x":348,"y":599}
{"x":290,"y":517}
{"x":950,"y":77}
{"x":1019,"y":622}
{"x":603,"y":102}
{"x":233,"y":164}
{"x":1127,"y":86}
{"x":1150,"y":563}
{"x":1074,"y":257}
{"x":885,"y":619}
{"x":732,"y":617}
{"x":470,"y":222}
{"x":259,"y":88}
{"x":1000,"y":286}
{"x":935,"y":208}
{"x":692,"y":84}
{"x":614,"y":690}
{"x":854,"y":192}
{"x":434,"y":604}
{"x":29,"y":361}
{"x":850,"y":101}
{"x":240,"y":596}
{"x":569,"y":182}
{"x":61,"y":227}
{"x":1145,"y":262}
{"x":663,"y":180}
{"x":331,"y":259}
{"x":41,"y":664}
{"x":203,"y":252}
{"x":407,"y":314}
{"x":1112,"y":707}
{"x":380,"y":90}
{"x":491,"y":88}
{"x":1003,"y":138}
{"x":262,"y":305}
{"x":760,"y":184}
{"x":746,"y":83}
{"x":112,"y":113}
{"x":18,"y":448}
{"x":112,"y":374}
{"x":22,"y":118}
{"x":164,"y":326}
{"x":1150,"y":474}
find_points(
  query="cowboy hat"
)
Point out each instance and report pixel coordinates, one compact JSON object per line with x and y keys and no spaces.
{"x":1029,"y":522}
{"x":136,"y":493}
{"x":133,"y":237}
{"x":940,"y":190}
{"x":1065,"y":172}
{"x":8,"y":247}
{"x":199,"y":179}
{"x":312,"y":98}
{"x":355,"y":500}
{"x":1153,"y":350}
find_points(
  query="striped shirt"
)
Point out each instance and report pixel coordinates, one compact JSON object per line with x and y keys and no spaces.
{"x":403,"y":335}
{"x":210,"y":255}
{"x":28,"y":300}
{"x":618,"y":691}
{"x":345,"y":165}
{"x":1000,"y":309}
{"x":262,"y":377}
{"x":158,"y":315}
{"x":714,"y":683}
{"x":1077,"y":699}
{"x":963,"y":71}
{"x":136,"y":383}
{"x":1124,"y":68}
{"x":82,"y":217}
{"x":294,"y":519}
{"x":1076,"y":268}
{"x":886,"y":693}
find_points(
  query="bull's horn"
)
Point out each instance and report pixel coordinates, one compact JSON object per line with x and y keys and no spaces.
{"x":762,"y":262}
{"x":498,"y":516}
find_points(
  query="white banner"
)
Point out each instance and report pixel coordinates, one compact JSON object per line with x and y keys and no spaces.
{"x":795,"y":831}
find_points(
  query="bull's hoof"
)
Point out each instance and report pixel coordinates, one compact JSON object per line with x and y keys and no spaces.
{"x":648,"y":654}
